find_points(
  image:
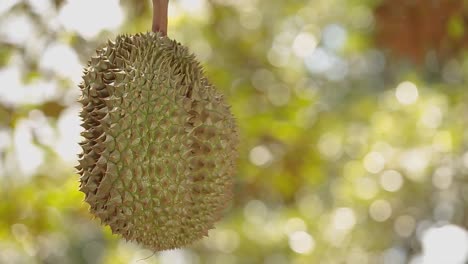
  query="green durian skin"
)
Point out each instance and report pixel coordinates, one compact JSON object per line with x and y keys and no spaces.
{"x":160,"y":143}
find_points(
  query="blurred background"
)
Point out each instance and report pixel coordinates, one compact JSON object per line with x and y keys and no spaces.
{"x":352,"y":114}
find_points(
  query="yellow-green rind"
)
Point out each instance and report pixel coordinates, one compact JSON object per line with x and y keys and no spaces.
{"x":160,"y":142}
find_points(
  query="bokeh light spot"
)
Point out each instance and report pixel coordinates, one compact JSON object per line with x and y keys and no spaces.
{"x":404,"y":225}
{"x":260,"y":156}
{"x":320,"y":61}
{"x":391,"y":180}
{"x":366,"y":188}
{"x":447,"y":244}
{"x":432,"y":117}
{"x":442,"y":178}
{"x":304,"y":44}
{"x":301,"y":242}
{"x":406,"y":93}
{"x":380,"y":210}
{"x":415,"y":162}
{"x":374,"y":162}
{"x":344,"y":218}
{"x":334,"y":36}
{"x":330,"y":146}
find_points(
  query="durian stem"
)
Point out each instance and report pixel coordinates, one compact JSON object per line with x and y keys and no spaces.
{"x":160,"y":16}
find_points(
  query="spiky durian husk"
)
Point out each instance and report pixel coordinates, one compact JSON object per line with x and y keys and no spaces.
{"x":160,"y":142}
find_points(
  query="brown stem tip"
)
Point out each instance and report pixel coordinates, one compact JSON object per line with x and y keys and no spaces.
{"x":160,"y":16}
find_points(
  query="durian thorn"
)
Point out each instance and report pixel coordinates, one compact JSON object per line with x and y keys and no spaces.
{"x":160,"y":16}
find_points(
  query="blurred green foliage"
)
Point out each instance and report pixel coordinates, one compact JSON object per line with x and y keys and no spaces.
{"x":346,"y":155}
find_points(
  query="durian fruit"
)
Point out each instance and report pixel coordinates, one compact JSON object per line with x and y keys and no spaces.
{"x":160,"y":142}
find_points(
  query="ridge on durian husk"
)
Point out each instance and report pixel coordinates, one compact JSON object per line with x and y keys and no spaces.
{"x":160,"y":142}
